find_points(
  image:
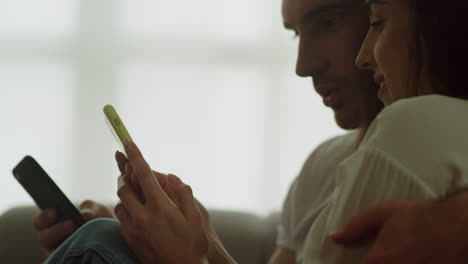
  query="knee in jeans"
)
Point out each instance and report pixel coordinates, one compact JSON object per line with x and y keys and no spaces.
{"x":100,"y":227}
{"x":97,"y":239}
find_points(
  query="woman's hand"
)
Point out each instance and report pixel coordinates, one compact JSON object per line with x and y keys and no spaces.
{"x":160,"y":225}
{"x":92,"y":210}
{"x":216,"y":251}
{"x":52,"y":233}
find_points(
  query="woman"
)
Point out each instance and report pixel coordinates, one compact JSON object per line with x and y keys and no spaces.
{"x":418,"y":145}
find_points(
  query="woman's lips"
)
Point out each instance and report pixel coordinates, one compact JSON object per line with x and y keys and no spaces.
{"x":381,"y":90}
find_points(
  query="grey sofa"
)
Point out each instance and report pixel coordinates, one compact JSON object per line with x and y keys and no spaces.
{"x":250,"y":239}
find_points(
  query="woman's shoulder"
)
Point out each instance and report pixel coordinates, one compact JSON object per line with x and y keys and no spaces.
{"x":425,"y":136}
{"x":418,"y":120}
{"x":425,"y":106}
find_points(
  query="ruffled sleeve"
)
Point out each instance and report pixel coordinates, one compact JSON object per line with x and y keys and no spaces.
{"x":366,"y":178}
{"x":416,"y":149}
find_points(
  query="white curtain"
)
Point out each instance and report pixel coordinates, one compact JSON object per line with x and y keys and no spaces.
{"x":206,"y":88}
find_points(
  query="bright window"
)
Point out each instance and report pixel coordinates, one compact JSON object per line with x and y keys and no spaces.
{"x":207,"y":89}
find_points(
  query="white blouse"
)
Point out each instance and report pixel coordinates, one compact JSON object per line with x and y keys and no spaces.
{"x":415,"y":149}
{"x":311,"y":190}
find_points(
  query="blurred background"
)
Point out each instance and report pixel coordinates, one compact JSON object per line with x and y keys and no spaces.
{"x":206,"y":88}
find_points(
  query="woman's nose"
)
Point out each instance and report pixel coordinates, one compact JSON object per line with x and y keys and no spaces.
{"x":365,"y":57}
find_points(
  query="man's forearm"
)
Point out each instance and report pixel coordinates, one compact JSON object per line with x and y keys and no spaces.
{"x":427,"y":231}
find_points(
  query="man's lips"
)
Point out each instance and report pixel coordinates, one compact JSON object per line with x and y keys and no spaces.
{"x":331,"y":99}
{"x":324,"y":90}
{"x":329,"y":95}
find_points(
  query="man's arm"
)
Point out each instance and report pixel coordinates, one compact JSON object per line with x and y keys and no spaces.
{"x":283,"y":256}
{"x":406,"y":232}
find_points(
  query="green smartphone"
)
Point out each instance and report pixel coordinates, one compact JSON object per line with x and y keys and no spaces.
{"x":116,"y":125}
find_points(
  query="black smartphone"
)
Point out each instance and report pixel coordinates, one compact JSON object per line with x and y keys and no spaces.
{"x":44,"y":191}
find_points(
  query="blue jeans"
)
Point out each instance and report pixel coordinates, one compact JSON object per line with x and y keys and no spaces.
{"x":97,"y":242}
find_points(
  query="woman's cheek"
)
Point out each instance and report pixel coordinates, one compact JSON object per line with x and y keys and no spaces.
{"x":383,"y":58}
{"x":380,"y":54}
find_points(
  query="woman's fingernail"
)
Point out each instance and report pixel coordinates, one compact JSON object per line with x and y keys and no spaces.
{"x":86,"y":210}
{"x":174,"y":178}
{"x":128,"y":169}
{"x":128,"y":145}
{"x":120,"y":182}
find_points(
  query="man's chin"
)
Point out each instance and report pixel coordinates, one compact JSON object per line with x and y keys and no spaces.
{"x":346,"y":119}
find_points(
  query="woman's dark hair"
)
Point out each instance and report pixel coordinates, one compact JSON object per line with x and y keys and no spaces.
{"x":440,"y":41}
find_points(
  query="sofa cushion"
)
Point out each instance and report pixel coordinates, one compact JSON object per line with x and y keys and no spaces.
{"x":247,"y":237}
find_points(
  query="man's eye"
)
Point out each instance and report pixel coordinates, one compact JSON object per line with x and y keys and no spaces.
{"x":327,"y":24}
{"x":377,"y":24}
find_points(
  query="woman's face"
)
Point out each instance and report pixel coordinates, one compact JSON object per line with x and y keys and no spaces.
{"x":385,"y":49}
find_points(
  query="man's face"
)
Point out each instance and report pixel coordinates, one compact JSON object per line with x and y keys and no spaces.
{"x":330,"y":35}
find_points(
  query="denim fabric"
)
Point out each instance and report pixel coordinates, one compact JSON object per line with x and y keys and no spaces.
{"x":97,"y":242}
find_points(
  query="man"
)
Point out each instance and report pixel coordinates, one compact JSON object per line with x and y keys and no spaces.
{"x":330,"y":34}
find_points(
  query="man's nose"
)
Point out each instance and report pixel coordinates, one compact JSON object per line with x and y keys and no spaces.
{"x":311,"y":59}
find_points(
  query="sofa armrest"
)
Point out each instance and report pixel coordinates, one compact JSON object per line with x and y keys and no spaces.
{"x":247,"y":237}
{"x":18,"y":241}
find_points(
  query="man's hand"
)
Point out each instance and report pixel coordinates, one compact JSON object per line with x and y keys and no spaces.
{"x":424,"y":232}
{"x":52,"y":233}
